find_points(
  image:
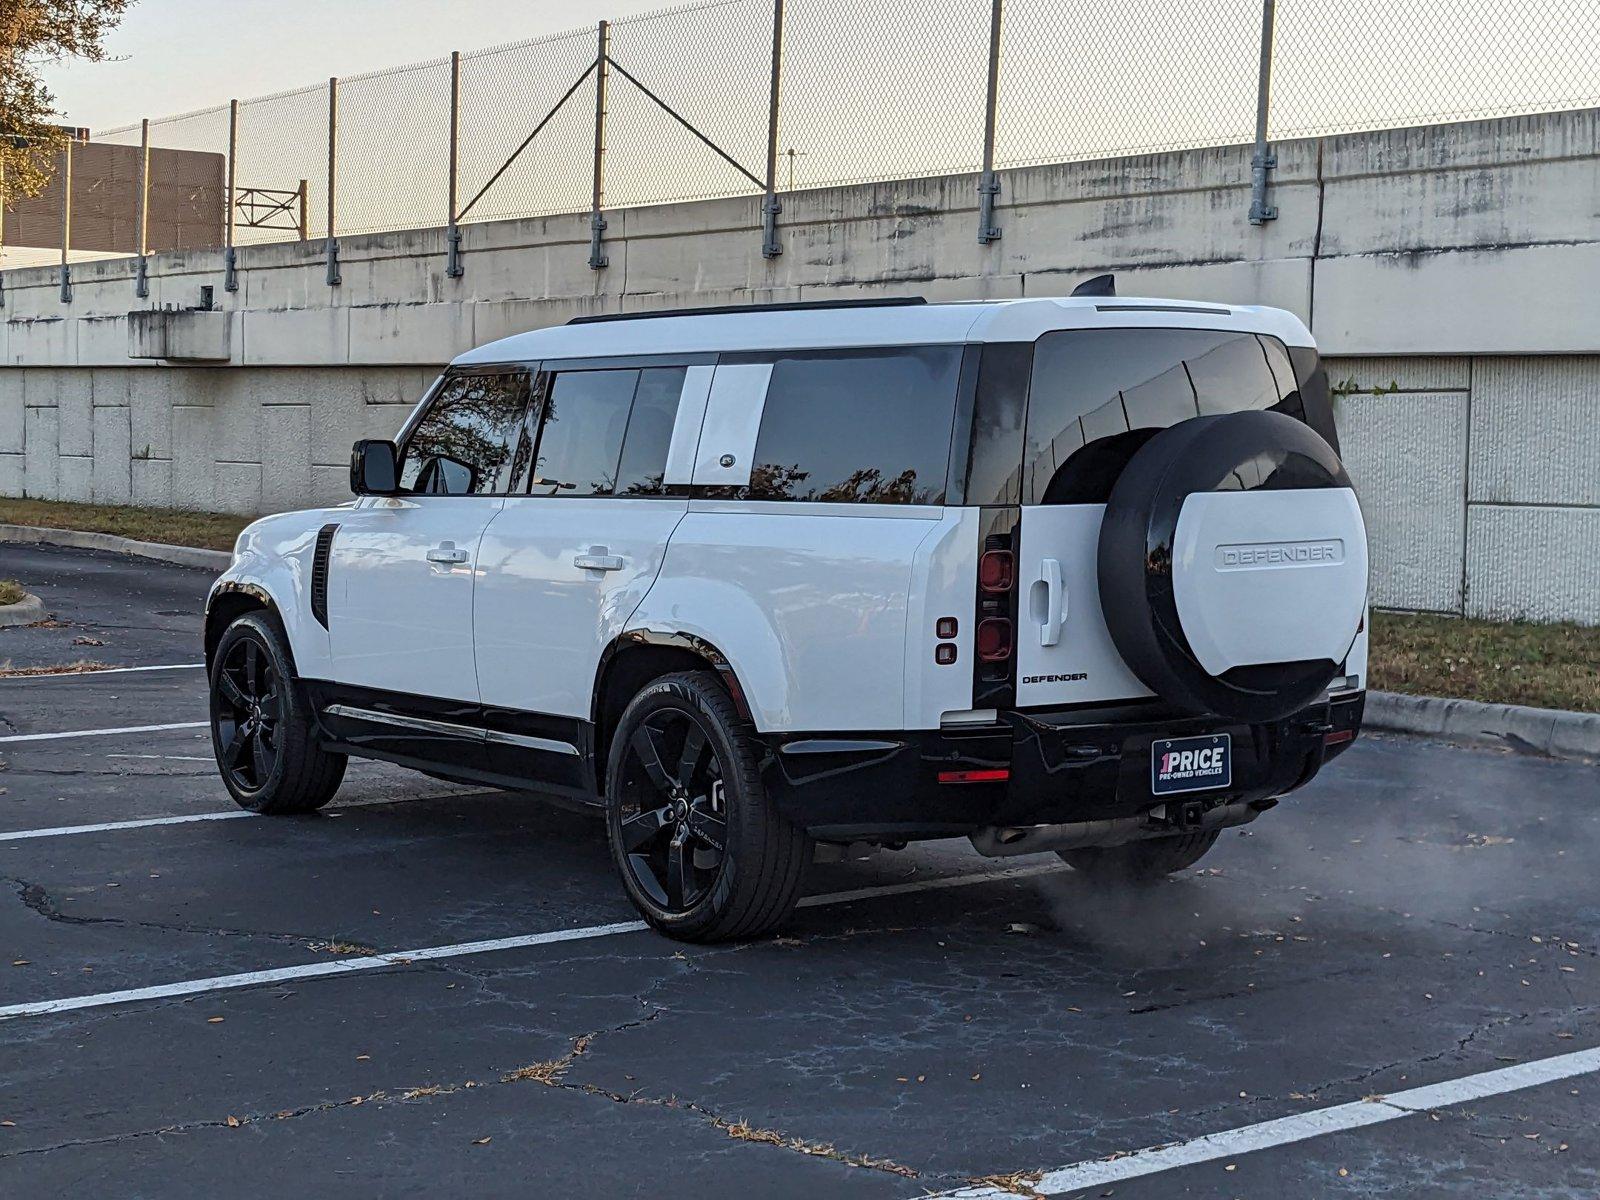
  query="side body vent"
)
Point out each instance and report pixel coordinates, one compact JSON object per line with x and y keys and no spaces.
{"x":319,"y":574}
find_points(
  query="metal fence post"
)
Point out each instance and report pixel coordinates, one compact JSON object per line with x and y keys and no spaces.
{"x":333,"y":178}
{"x":230,"y":277}
{"x":66,"y":219}
{"x":304,"y":232}
{"x":597,"y":223}
{"x":141,"y":271}
{"x":771,"y":207}
{"x":453,"y":262}
{"x":989,"y":182}
{"x":1263,"y":160}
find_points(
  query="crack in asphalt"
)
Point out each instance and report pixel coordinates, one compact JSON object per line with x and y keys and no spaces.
{"x":548,"y":1073}
{"x":35,"y":898}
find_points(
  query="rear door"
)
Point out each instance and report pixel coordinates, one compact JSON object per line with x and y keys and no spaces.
{"x":401,"y":567}
{"x":1095,"y":397}
{"x":564,"y":565}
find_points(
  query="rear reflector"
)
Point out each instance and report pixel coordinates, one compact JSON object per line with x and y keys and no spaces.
{"x":996,"y":775}
{"x":997,"y":571}
{"x":994,"y":639}
{"x":1338,"y":737}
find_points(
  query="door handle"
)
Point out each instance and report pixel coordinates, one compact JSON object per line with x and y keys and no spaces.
{"x":447,"y":552}
{"x":597,"y":559}
{"x":1055,"y":602}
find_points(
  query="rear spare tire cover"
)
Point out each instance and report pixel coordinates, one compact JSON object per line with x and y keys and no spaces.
{"x":1233,"y":565}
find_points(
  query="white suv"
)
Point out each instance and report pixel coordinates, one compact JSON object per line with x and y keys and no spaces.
{"x":1082,"y":575}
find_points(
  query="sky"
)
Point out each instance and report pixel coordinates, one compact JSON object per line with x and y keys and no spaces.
{"x":171,"y":56}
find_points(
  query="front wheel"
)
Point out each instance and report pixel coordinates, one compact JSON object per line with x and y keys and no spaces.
{"x":703,"y":853}
{"x":1140,"y":862}
{"x":261,"y":729}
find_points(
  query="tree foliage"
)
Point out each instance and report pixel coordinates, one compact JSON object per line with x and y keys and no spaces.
{"x":34,"y":33}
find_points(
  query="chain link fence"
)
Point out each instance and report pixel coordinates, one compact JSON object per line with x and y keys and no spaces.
{"x":762,"y":97}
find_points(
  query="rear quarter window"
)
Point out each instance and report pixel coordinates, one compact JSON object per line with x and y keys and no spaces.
{"x":861,"y":427}
{"x":1097,"y":395}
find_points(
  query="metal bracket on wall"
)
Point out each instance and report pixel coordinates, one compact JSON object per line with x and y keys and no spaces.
{"x":333,"y":262}
{"x":1261,"y":212}
{"x":597,"y":252}
{"x":988,"y":189}
{"x":66,"y":284}
{"x":452,"y":265}
{"x":141,"y":278}
{"x":230,"y":271}
{"x":771,"y":247}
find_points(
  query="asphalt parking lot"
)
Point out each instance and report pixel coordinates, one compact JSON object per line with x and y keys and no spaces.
{"x":434,"y":989}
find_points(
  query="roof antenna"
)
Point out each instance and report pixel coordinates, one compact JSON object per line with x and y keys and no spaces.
{"x":1100,"y":285}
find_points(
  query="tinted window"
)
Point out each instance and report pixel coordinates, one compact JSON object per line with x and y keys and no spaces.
{"x":584,"y":417}
{"x":868,"y":427}
{"x":1097,"y":395}
{"x":468,"y":441}
{"x":644,"y":448}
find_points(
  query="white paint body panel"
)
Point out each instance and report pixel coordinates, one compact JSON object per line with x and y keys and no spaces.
{"x":1069,"y":535}
{"x":732,"y":420}
{"x":915,"y":325}
{"x":809,"y":603}
{"x":542,"y":621}
{"x":274,"y":555}
{"x":396,"y":620}
{"x":1270,"y":576}
{"x":944,"y":580}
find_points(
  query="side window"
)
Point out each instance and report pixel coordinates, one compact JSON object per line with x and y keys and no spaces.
{"x":469,"y":441}
{"x":1097,"y":395}
{"x":865,"y":427}
{"x":581,"y":428}
{"x":644,"y":447}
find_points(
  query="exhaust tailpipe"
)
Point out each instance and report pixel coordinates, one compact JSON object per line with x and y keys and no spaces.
{"x":999,"y":841}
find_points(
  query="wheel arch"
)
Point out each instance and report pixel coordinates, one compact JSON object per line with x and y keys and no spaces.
{"x":632,"y":660}
{"x":230,"y":600}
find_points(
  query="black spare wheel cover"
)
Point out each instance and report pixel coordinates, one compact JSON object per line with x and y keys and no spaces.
{"x":1232,"y":452}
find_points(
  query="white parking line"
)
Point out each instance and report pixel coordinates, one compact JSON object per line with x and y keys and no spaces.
{"x":77,"y":733}
{"x":403,"y":958}
{"x":104,"y":671}
{"x":1285,"y":1131}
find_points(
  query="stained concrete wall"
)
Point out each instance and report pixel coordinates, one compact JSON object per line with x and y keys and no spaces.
{"x":1448,"y":272}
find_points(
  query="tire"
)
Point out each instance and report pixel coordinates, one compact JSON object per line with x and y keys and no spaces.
{"x":1165,"y":601}
{"x":682,"y":776}
{"x":262,"y":730}
{"x":1140,"y":862}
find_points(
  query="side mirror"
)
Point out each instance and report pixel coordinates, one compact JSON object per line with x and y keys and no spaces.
{"x":374,"y":468}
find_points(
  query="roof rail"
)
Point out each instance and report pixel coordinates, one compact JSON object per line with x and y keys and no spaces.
{"x":723,"y":309}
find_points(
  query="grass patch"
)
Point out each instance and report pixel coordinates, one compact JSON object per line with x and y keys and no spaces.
{"x":10,"y":591}
{"x":210,"y":531}
{"x":1547,"y":666}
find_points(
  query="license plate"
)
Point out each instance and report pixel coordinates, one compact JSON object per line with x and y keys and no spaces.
{"x":1196,"y":764}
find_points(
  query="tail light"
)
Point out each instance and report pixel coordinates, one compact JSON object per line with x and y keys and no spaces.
{"x":995,"y":611}
{"x":995,"y":639}
{"x":997,"y":571}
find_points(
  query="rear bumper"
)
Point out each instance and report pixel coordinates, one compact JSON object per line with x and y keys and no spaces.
{"x":1064,"y":767}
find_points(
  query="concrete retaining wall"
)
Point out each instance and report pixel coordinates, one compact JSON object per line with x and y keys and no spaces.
{"x":1447,"y":271}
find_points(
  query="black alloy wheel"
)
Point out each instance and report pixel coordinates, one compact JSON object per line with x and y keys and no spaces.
{"x":704,"y":852}
{"x":248,"y":705}
{"x":674,"y":822}
{"x":262,"y":727}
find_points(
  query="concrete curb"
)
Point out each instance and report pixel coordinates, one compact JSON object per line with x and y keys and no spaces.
{"x":184,"y":556}
{"x":1548,"y":731}
{"x":24,"y":612}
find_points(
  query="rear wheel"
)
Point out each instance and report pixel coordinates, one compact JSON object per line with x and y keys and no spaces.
{"x":261,"y":728}
{"x":703,"y":853}
{"x":1140,"y":862}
